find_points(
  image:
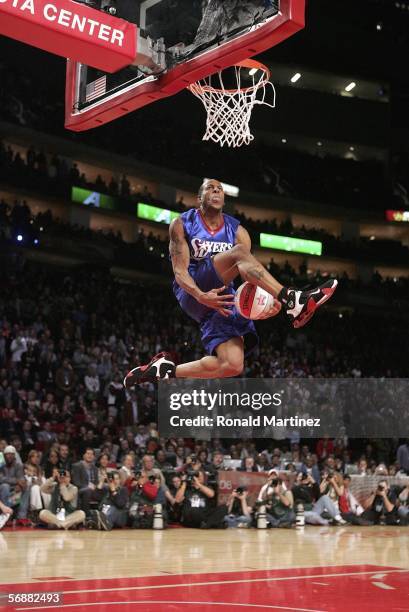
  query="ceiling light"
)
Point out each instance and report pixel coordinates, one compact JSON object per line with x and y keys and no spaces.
{"x":379,"y":27}
{"x":319,"y":143}
{"x":352,"y":149}
{"x":284,"y":140}
{"x":253,"y":71}
{"x":350,"y":87}
{"x":296,"y":77}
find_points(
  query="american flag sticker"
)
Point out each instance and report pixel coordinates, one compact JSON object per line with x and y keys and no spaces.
{"x":96,"y":89}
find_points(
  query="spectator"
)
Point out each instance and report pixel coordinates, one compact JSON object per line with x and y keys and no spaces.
{"x":91,"y":381}
{"x":402,"y":457}
{"x":14,"y":492}
{"x":248,"y":465}
{"x":65,"y":461}
{"x":52,"y":461}
{"x":5,"y":514}
{"x":127,"y":471}
{"x":351,"y":510}
{"x":62,"y":511}
{"x":403,"y":508}
{"x":85,"y":478}
{"x":65,"y":378}
{"x":325,"y":447}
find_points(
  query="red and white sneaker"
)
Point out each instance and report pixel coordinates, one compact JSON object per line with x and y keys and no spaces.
{"x":301,"y":305}
{"x":159,"y":368}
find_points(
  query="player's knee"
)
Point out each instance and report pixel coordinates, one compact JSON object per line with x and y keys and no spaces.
{"x":240,"y":252}
{"x":232,"y":368}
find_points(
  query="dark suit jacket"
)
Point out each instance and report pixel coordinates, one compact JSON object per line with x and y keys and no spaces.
{"x":79,"y":475}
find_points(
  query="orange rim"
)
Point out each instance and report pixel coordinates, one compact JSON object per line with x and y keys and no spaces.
{"x":248,"y":63}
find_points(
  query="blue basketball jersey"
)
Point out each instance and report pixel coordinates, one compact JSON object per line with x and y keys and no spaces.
{"x":204,"y":241}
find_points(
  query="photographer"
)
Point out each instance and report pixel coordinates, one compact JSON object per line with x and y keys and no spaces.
{"x":197,"y":501}
{"x":62,"y":510}
{"x":381,"y":506}
{"x":238,"y":512}
{"x":332,"y":484}
{"x":112,"y":511}
{"x":145,"y":494}
{"x":278,"y":500}
{"x":307,"y":492}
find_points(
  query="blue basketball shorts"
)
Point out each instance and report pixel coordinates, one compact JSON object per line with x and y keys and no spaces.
{"x":214,"y":327}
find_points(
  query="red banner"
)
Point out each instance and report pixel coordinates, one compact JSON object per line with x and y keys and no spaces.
{"x":397,"y":215}
{"x":71,"y":30}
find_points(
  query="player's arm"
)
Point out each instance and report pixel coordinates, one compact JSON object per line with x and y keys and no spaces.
{"x":243,"y":237}
{"x":180,"y":256}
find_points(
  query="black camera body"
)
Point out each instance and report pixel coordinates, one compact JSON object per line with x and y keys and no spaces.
{"x":241,"y":490}
{"x":190,"y":475}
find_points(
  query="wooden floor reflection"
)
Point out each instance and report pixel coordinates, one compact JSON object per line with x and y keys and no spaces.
{"x":30,"y":556}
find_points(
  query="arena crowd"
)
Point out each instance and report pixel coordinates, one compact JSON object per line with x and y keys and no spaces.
{"x":76,"y":448}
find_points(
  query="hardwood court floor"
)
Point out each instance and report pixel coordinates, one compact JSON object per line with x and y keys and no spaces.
{"x":318,"y":569}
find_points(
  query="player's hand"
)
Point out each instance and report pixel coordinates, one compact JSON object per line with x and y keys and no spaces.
{"x":221,"y":303}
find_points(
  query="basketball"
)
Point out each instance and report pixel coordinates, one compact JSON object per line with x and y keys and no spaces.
{"x":253,"y":302}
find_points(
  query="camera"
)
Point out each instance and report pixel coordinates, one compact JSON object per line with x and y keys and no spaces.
{"x":275,"y":482}
{"x":152,"y":479}
{"x":190,"y":475}
{"x":110,"y":476}
{"x":62,"y":473}
{"x":380,"y":488}
{"x":240,"y":490}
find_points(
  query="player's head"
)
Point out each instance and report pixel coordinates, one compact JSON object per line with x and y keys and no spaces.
{"x":211,"y":194}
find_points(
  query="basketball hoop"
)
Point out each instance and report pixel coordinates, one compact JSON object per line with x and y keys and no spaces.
{"x":229,"y":110}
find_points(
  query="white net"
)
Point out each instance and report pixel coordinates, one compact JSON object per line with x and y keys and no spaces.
{"x":229,"y":110}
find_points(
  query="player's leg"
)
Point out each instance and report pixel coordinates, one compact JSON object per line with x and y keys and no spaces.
{"x":240,"y":262}
{"x":229,"y":361}
{"x":300,"y":305}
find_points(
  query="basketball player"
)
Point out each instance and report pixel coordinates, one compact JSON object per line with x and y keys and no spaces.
{"x":209,"y":249}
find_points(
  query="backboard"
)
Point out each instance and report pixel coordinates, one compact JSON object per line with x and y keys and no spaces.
{"x":178,"y":42}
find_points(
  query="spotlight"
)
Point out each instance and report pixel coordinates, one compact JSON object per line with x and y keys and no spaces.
{"x":319,"y":143}
{"x":19,"y":238}
{"x":350,"y":87}
{"x":296,"y":77}
{"x":352,"y":149}
{"x":284,"y":140}
{"x":36,"y":241}
{"x":379,"y":26}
